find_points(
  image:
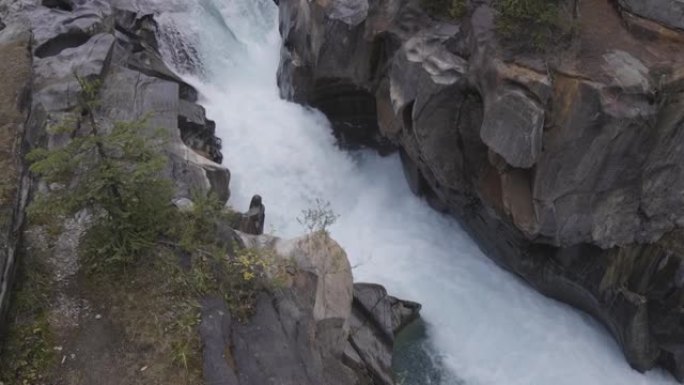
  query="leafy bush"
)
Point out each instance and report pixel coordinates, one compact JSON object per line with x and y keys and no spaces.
{"x":27,"y":350}
{"x":532,"y":24}
{"x":217,"y":266}
{"x":454,"y":9}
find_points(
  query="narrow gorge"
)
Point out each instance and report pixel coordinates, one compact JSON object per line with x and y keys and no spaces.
{"x":520,"y":183}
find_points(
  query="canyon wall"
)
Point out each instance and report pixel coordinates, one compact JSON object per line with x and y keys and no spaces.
{"x":563,"y":161}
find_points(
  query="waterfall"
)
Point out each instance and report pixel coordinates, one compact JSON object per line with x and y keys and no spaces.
{"x":483,"y":326}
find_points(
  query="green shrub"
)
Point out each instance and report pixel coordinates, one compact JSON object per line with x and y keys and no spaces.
{"x":218,"y":266}
{"x":454,"y":9}
{"x":535,"y":25}
{"x":27,"y":350}
{"x":115,"y":175}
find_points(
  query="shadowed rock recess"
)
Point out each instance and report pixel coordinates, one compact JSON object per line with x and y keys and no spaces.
{"x":311,"y":325}
{"x":565,"y":162}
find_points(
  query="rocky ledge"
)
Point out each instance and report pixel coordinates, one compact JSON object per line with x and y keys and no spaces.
{"x":46,"y":45}
{"x":316,"y":328}
{"x":565,"y":166}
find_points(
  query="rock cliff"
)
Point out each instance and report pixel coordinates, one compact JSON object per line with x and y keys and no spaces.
{"x":564,"y":161}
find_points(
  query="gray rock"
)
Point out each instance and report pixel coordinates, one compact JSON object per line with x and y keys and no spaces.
{"x":319,"y":336}
{"x":57,"y":88}
{"x":513,"y":126}
{"x":215,"y":332}
{"x":667,"y":12}
{"x":252,"y":222}
{"x":376,"y":319}
{"x":128,"y":95}
{"x":557,"y":165}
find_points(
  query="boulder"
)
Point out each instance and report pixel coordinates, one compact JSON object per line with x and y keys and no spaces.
{"x":318,"y":327}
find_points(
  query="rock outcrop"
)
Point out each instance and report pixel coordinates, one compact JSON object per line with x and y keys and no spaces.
{"x":316,"y":327}
{"x":566,"y":167}
{"x":45,"y":46}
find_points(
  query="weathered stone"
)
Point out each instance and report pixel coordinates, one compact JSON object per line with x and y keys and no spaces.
{"x":57,"y":87}
{"x":376,"y":319}
{"x":571,"y":158}
{"x":513,"y":126}
{"x":215,"y":332}
{"x":252,"y":222}
{"x":667,"y":12}
{"x":343,"y":344}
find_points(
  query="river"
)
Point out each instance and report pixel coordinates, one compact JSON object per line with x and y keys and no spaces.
{"x":482,"y":326}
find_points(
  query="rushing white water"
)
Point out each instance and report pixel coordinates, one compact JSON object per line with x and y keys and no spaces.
{"x":483,"y":325}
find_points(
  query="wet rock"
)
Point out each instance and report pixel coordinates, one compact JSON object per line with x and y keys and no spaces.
{"x":376,"y":319}
{"x":197,"y":132}
{"x":252,"y":222}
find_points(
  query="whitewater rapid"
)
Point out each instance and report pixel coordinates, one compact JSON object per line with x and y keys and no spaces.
{"x":484,"y":327}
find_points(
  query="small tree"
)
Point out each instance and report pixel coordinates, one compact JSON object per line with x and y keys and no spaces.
{"x":115,"y":175}
{"x":319,"y":217}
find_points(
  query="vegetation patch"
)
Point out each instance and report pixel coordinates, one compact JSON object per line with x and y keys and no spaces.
{"x":453,"y":9}
{"x":27,"y":351}
{"x":218,"y":265}
{"x":536,"y":25}
{"x":114,"y":174}
{"x":148,"y":262}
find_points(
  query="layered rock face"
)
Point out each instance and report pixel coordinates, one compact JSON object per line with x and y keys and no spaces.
{"x":566,"y":167}
{"x":316,"y":327}
{"x":45,"y":46}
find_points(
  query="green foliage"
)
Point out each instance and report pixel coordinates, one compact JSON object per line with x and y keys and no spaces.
{"x":535,"y":25}
{"x":7,"y":183}
{"x":114,"y":175}
{"x":26,"y":353}
{"x":216,"y":267}
{"x":454,"y":9}
{"x":318,"y":217}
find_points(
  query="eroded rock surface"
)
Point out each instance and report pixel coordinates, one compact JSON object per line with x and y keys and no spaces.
{"x":316,"y":328}
{"x":45,"y":47}
{"x":565,"y":166}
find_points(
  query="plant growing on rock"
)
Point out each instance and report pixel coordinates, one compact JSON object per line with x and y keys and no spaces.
{"x":536,"y":25}
{"x":114,"y":174}
{"x":454,"y":9}
{"x":218,"y":265}
{"x":319,"y":217}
